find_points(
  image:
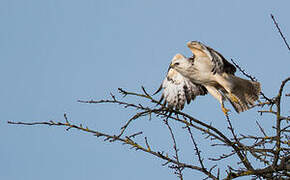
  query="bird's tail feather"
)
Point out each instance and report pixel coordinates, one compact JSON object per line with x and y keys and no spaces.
{"x":243,"y":93}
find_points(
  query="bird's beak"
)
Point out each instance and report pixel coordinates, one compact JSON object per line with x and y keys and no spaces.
{"x":171,"y":66}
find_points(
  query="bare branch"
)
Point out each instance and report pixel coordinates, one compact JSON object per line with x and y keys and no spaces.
{"x":177,"y":168}
{"x":278,"y":121}
{"x":280,"y":32}
{"x":113,"y":138}
{"x":198,"y":153}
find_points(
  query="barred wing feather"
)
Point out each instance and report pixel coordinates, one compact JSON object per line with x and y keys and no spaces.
{"x":177,"y":90}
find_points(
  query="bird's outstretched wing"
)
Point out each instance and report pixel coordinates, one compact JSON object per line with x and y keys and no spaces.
{"x":220,"y":63}
{"x":177,"y":90}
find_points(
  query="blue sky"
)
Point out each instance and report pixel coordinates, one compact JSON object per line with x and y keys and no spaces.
{"x":58,"y":51}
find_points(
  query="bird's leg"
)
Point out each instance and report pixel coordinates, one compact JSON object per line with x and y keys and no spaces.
{"x":215,"y":93}
{"x":225,"y":82}
{"x":225,"y":110}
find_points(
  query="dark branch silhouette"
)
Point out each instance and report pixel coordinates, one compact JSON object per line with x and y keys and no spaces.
{"x":280,"y":32}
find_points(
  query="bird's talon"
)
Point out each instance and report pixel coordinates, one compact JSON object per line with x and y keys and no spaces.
{"x":260,"y":102}
{"x":225,"y":110}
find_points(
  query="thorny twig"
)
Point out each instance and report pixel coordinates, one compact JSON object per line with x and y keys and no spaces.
{"x":113,"y":138}
{"x":278,"y":121}
{"x":200,"y":159}
{"x":280,"y":32}
{"x":178,"y":169}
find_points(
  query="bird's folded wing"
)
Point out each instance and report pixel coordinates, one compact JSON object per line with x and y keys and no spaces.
{"x":177,"y":90}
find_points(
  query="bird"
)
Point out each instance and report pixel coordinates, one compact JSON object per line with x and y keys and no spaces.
{"x":178,"y":89}
{"x":207,"y":71}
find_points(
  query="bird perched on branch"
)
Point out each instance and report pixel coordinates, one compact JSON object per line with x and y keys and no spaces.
{"x":207,"y":71}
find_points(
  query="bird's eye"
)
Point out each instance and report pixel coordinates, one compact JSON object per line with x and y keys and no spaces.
{"x":191,"y":58}
{"x":176,"y":64}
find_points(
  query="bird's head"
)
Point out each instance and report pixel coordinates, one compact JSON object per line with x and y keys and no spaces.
{"x":180,"y":63}
{"x":197,"y":48}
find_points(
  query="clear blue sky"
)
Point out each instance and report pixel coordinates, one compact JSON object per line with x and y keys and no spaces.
{"x":54,"y":52}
